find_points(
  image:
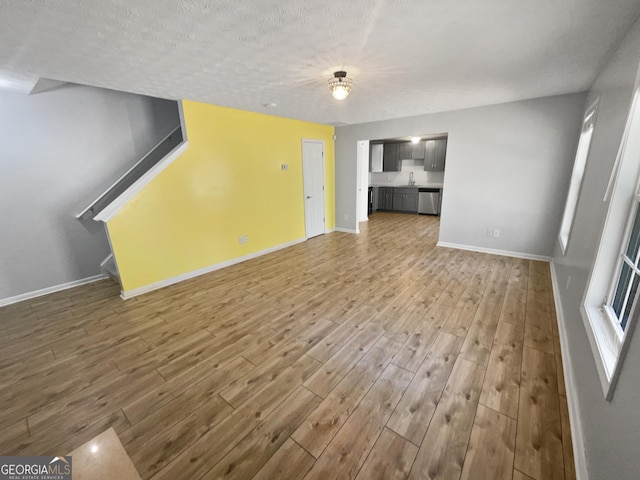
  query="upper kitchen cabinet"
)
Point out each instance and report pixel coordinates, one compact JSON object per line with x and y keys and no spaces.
{"x":375,"y":157}
{"x":395,"y":152}
{"x":435,"y":154}
{"x":390,"y":162}
{"x":404,"y":150}
{"x":411,"y":151}
{"x":389,"y":154}
{"x":417,"y":150}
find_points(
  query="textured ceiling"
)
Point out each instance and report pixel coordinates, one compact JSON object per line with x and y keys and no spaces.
{"x":406,"y":57}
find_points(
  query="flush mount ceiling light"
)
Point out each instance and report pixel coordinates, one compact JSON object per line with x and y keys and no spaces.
{"x":340,"y":85}
{"x":415,"y":140}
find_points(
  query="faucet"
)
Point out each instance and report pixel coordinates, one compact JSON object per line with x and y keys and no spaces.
{"x":411,"y":180}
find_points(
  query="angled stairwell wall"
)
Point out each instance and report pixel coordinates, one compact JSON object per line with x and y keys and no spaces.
{"x":134,"y":180}
{"x":228,"y":183}
{"x":58,"y":149}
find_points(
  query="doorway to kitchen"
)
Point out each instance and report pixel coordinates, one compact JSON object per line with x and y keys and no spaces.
{"x":313,"y":179}
{"x":401,"y":175}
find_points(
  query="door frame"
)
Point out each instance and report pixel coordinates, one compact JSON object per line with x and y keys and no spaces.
{"x":304,"y":194}
{"x":362,"y":172}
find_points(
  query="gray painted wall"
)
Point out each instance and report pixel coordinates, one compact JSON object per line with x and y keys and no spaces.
{"x":59,"y":150}
{"x":611,"y":430}
{"x":507,"y":167}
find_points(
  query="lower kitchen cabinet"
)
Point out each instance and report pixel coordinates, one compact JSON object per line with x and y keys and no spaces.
{"x":411,"y":202}
{"x":398,"y":199}
{"x":385,"y":198}
{"x":405,"y":200}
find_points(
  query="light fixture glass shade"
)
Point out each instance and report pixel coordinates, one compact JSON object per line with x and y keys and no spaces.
{"x":340,"y":86}
{"x":415,"y":140}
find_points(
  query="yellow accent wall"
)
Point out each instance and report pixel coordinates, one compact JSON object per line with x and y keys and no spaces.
{"x":228,"y":183}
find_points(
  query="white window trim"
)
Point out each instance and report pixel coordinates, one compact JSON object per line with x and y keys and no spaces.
{"x":624,"y":242}
{"x":590,"y":115}
{"x":608,"y":342}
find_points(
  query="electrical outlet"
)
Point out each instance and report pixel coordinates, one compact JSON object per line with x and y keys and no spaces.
{"x":243,"y":239}
{"x":496,"y":233}
{"x":489,"y":232}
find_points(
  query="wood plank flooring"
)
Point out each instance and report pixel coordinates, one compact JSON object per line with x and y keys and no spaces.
{"x":376,"y":356}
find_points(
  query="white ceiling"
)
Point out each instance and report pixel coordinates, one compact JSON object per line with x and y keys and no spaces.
{"x":406,"y":57}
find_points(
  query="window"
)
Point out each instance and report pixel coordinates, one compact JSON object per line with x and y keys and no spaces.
{"x":611,"y":301}
{"x":576,"y":176}
{"x":622,"y":298}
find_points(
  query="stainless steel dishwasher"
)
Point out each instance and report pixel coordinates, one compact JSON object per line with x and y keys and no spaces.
{"x":429,"y":201}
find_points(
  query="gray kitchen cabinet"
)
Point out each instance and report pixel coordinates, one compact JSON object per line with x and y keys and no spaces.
{"x":405,"y":200}
{"x":380,"y":199}
{"x":375,"y":191}
{"x":390,"y":161}
{"x":404,"y":150}
{"x":435,"y":154}
{"x":385,"y":198}
{"x":411,"y":202}
{"x":430,"y":155}
{"x":388,"y":199}
{"x":417,"y":150}
{"x":409,"y":150}
{"x":441,"y":154}
{"x":398,"y":200}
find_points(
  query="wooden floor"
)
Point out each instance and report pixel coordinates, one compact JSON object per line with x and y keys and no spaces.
{"x":377,"y":356}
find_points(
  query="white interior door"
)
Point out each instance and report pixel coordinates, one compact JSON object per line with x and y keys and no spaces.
{"x":313,"y":173}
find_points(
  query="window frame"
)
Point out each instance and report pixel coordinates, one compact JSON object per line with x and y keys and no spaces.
{"x":608,"y":306}
{"x":579,"y":167}
{"x":609,"y":342}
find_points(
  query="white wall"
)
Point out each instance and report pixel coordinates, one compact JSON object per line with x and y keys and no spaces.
{"x":611,"y":430}
{"x":59,"y":149}
{"x":507,"y":167}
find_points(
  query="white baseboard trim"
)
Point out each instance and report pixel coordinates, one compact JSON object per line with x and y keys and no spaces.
{"x":492,"y":251}
{"x":569,"y":382}
{"x":106,"y":260}
{"x":346,"y":230}
{"x":202,"y":271}
{"x":330,"y":230}
{"x":46,"y":291}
